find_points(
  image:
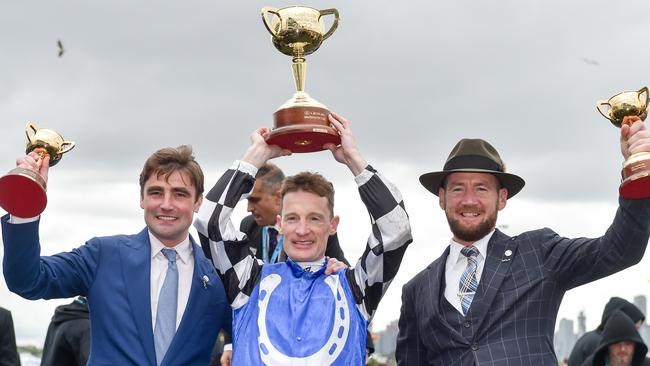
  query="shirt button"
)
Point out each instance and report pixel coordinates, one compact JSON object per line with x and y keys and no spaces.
{"x":474,"y":347}
{"x":467,"y":324}
{"x":298,"y":339}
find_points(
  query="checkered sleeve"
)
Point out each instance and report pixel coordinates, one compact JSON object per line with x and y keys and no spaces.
{"x":222,"y":243}
{"x":391,"y":234}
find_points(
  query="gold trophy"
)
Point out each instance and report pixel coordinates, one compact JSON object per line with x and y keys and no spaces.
{"x":22,"y":191}
{"x":301,"y":123}
{"x":625,"y":108}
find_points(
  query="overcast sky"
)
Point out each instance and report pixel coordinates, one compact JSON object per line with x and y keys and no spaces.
{"x":413,"y":77}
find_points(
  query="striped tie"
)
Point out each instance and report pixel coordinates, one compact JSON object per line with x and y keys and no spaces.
{"x":468,"y":284}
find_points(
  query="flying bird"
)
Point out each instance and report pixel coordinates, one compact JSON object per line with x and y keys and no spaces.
{"x":60,"y":45}
{"x":590,"y":61}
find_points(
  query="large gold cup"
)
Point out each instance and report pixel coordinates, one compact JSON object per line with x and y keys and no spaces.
{"x":22,"y":191}
{"x":301,"y":123}
{"x":625,"y":108}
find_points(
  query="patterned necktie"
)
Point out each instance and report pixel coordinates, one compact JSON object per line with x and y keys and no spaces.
{"x":468,"y":284}
{"x":167,"y":304}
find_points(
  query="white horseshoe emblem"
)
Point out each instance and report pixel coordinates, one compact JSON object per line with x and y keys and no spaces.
{"x":330,"y":350}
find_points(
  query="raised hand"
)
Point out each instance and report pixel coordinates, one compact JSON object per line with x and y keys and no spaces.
{"x":259,"y":151}
{"x":348,"y":153}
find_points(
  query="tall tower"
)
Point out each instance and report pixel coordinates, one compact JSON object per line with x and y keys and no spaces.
{"x":582,"y":323}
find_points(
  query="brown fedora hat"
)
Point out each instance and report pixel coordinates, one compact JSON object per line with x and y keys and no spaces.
{"x":473,"y":155}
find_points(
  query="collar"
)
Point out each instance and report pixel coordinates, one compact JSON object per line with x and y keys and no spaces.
{"x":183,"y":249}
{"x":481,"y":245}
{"x":297,"y":268}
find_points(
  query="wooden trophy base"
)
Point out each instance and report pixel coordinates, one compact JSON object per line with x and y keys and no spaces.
{"x":636,"y":173}
{"x":22,"y":193}
{"x":303,"y":129}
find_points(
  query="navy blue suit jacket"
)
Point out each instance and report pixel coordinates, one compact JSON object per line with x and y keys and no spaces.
{"x":114,"y":273}
{"x":512,"y":317}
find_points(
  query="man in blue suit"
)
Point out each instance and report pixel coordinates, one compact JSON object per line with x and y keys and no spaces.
{"x":154,"y":298}
{"x":491,"y":299}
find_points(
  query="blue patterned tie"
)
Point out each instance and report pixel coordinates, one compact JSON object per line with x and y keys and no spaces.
{"x":468,"y":285}
{"x":167,"y":304}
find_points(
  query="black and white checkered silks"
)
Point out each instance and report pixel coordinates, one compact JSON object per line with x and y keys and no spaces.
{"x":240,"y":270}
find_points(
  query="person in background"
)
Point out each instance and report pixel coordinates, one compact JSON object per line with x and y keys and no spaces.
{"x":8,"y":350}
{"x":620,"y":345}
{"x":587,"y":344}
{"x":68,"y":336}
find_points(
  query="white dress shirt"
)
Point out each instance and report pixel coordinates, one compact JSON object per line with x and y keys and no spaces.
{"x":185,"y":265}
{"x":456,"y":264}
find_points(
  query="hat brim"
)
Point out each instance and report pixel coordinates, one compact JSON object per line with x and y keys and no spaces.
{"x":433,"y":181}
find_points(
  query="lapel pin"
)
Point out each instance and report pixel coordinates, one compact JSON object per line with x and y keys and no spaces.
{"x":507,"y":253}
{"x":205,"y":281}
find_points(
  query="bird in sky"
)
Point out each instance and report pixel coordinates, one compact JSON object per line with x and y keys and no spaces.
{"x":60,"y":45}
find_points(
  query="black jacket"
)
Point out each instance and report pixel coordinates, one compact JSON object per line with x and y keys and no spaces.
{"x":619,"y":327}
{"x":8,"y":352}
{"x":68,"y":337}
{"x":587,"y":344}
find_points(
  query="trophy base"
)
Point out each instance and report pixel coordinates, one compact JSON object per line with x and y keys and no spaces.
{"x":636,"y":173}
{"x":22,"y":193}
{"x":303,"y":129}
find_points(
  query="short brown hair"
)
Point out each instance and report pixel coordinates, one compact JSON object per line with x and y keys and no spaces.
{"x":167,"y":160}
{"x":310,"y":182}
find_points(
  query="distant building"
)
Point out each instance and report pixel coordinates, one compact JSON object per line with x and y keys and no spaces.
{"x":640,"y":302}
{"x":386,"y":340}
{"x":565,"y":339}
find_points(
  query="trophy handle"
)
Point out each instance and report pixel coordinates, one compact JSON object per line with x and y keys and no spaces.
{"x":599,"y":105}
{"x":647,"y":97}
{"x":274,"y":11}
{"x":30,"y":126}
{"x":66,"y":146}
{"x":335,"y":24}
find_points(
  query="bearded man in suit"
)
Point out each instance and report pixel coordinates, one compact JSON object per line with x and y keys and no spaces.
{"x":492,"y":299}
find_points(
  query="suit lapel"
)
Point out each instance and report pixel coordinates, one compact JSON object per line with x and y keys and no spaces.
{"x":136,"y":269}
{"x":196,"y":303}
{"x":500,"y":253}
{"x":437,"y":292}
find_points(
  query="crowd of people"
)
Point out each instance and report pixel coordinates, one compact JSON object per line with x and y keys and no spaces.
{"x":279,"y":290}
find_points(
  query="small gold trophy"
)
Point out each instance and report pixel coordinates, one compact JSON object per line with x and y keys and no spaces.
{"x":22,"y":191}
{"x":625,"y":108}
{"x":301,"y":123}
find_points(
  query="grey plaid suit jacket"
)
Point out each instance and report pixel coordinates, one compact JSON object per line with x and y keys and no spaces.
{"x":512,"y":317}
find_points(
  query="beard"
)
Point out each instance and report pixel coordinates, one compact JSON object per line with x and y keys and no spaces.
{"x":473,"y":233}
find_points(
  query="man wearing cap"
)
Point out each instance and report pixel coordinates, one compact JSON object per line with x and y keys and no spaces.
{"x":491,"y":299}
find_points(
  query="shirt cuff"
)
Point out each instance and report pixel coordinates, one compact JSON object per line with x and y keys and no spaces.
{"x":365,"y":175}
{"x":245,"y":167}
{"x":227,"y":347}
{"x":22,"y":220}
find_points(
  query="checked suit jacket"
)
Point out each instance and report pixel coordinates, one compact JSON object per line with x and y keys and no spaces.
{"x":512,"y":317}
{"x":114,"y":274}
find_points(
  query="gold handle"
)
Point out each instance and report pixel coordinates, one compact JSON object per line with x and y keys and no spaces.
{"x":66,"y":146}
{"x":335,"y":24}
{"x":31,"y":126}
{"x":647,"y":97}
{"x":599,"y":105}
{"x":274,"y":11}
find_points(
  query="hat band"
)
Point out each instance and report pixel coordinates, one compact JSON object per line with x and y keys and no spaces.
{"x":472,"y":162}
